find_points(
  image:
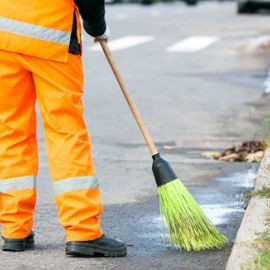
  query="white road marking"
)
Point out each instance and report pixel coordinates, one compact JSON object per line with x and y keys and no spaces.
{"x":121,"y":16}
{"x":124,"y":43}
{"x":180,"y":11}
{"x":155,"y":13}
{"x":193,"y":44}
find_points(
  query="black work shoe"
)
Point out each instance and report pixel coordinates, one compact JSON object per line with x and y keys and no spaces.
{"x":18,"y":244}
{"x":102,"y":246}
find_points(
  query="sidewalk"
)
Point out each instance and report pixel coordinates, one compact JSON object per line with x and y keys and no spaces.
{"x":253,"y":222}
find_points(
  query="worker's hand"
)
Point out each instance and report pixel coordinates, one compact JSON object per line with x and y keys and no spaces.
{"x":104,"y":36}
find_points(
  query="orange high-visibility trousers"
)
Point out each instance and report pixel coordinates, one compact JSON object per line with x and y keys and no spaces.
{"x":58,"y":89}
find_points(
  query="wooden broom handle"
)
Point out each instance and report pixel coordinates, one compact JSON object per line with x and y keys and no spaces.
{"x":131,"y":103}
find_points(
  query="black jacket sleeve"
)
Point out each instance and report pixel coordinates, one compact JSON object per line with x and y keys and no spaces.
{"x":93,"y":15}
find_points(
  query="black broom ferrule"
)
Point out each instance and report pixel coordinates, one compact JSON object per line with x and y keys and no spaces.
{"x":162,"y":170}
{"x":155,"y":156}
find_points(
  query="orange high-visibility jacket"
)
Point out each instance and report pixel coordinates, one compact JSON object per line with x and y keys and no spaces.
{"x":39,"y":28}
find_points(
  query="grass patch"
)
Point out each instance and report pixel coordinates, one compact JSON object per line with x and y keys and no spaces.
{"x":262,"y":247}
{"x":264,"y":192}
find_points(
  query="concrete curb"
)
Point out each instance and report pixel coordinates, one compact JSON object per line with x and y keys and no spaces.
{"x":253,"y":221}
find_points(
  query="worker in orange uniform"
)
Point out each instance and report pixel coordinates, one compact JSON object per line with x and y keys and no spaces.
{"x":40,"y":58}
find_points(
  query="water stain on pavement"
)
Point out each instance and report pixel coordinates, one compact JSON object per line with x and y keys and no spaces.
{"x":224,"y":200}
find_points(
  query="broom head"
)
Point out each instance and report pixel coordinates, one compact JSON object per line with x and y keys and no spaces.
{"x":187,"y":225}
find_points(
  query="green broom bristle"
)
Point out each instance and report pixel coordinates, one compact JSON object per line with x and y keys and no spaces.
{"x":188,"y":227}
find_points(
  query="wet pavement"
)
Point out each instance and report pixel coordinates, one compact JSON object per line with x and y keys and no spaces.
{"x":226,"y":199}
{"x":191,"y":103}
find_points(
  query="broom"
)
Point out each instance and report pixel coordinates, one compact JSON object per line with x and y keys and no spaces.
{"x":187,"y":225}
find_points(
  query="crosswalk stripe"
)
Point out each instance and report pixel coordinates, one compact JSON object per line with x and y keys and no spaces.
{"x":121,"y":16}
{"x":124,"y":43}
{"x":155,"y":13}
{"x":193,"y":44}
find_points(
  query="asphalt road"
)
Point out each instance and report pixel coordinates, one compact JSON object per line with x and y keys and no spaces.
{"x":198,"y":83}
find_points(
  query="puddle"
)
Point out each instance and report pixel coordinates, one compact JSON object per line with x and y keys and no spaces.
{"x":228,"y":195}
{"x":219,"y":213}
{"x":241,"y":179}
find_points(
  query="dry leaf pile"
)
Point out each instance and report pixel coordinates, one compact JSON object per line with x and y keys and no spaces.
{"x":249,"y":151}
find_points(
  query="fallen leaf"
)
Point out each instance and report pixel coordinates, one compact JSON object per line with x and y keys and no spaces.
{"x":231,"y":157}
{"x":169,"y":147}
{"x":254,"y":157}
{"x":211,"y":154}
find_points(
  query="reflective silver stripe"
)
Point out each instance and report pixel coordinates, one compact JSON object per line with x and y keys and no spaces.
{"x":34,"y":31}
{"x":75,"y":183}
{"x":17,"y":183}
